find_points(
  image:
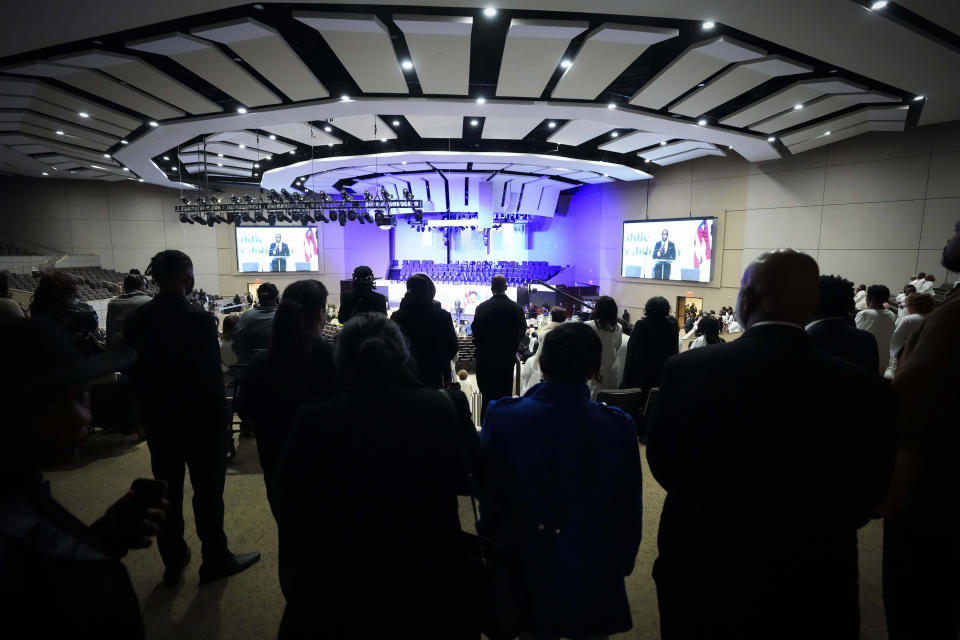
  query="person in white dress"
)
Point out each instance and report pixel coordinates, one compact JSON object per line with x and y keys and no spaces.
{"x":860,"y":298}
{"x":604,"y":322}
{"x":918,"y":280}
{"x":918,"y":306}
{"x":927,"y":285}
{"x":878,"y":321}
{"x":530,"y":372}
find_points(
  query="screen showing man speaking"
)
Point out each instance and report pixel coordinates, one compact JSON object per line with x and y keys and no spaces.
{"x":277,"y":249}
{"x":679,"y":250}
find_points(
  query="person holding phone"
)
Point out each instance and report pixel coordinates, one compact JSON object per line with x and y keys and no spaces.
{"x":58,"y":576}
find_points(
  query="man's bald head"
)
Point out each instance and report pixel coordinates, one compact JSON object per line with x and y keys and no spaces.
{"x":780,"y":286}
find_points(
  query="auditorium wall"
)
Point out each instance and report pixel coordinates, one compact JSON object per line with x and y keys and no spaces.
{"x":875,"y":209}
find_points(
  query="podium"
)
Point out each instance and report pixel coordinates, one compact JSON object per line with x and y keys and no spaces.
{"x":662,"y":268}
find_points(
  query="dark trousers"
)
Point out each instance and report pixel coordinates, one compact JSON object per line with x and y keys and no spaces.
{"x":495,"y":381}
{"x":201,"y":451}
{"x":661,"y":271}
{"x":278,"y":264}
{"x":921,"y":593}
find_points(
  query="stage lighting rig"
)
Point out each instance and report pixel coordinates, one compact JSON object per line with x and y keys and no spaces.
{"x":272,"y":219}
{"x":342,"y":217}
{"x":351,"y":215}
{"x":184,"y":218}
{"x":234,"y":199}
{"x":286,"y":195}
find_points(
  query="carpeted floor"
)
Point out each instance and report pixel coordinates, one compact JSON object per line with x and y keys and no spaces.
{"x":250,"y":605}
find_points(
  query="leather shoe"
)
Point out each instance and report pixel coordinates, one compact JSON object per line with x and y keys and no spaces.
{"x":230,"y":565}
{"x":173,"y":575}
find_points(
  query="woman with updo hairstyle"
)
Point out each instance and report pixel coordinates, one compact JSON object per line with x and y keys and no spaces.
{"x":368,"y":488}
{"x":296,"y":368}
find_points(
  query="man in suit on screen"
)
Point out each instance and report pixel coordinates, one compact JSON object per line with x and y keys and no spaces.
{"x":662,"y":252}
{"x":280,"y":252}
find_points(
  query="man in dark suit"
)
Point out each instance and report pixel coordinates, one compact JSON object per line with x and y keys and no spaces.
{"x":179,"y":386}
{"x":758,"y":534}
{"x":363,"y":299}
{"x":834,"y":330}
{"x":281,"y":251}
{"x":662,"y":251}
{"x":498,"y":327}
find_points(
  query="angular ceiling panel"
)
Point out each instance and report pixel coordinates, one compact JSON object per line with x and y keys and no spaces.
{"x":100,"y":85}
{"x":437,"y":126}
{"x":867,"y":114}
{"x":736,"y":81}
{"x":632,"y":142}
{"x":141,"y":75}
{"x":848,"y":132}
{"x":365,"y":127}
{"x":605,"y":54}
{"x":440,"y":51}
{"x":689,"y":155}
{"x":210,"y":63}
{"x":264,"y":49}
{"x":531,"y":54}
{"x":503,"y":128}
{"x":65,"y":106}
{"x":819,"y":108}
{"x":578,"y":131}
{"x":363,"y":45}
{"x":694,"y":65}
{"x":674,"y":148}
{"x":787,"y":98}
{"x":48,"y":128}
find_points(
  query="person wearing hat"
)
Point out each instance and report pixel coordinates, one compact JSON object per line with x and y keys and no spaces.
{"x":362,"y":298}
{"x":179,"y":387}
{"x":253,"y":330}
{"x":58,"y":576}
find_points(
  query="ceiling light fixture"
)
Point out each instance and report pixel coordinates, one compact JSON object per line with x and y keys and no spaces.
{"x":219,"y":155}
{"x":383,"y":139}
{"x":489,"y":12}
{"x":106,"y":155}
{"x":44,"y":173}
{"x":918,"y":98}
{"x":140,"y":180}
{"x":345,"y":98}
{"x":327,"y":129}
{"x":771,"y":139}
{"x":219,"y":164}
{"x":256,"y":166}
{"x":797,"y":107}
{"x":406,"y":64}
{"x":243,"y":146}
{"x":663,"y":143}
{"x":59,"y":133}
{"x":481,"y":100}
{"x":396,"y":123}
{"x":330,"y":145}
{"x":826,"y":133}
{"x":166,"y":157}
{"x":706,"y":26}
{"x":241,"y":110}
{"x":124,"y":142}
{"x":702,"y":122}
{"x":612,"y":105}
{"x":174,"y":169}
{"x":552,"y":125}
{"x":614,"y":134}
{"x":273,"y":137}
{"x":153,"y":123}
{"x":474,"y":123}
{"x":83,"y":114}
{"x":126,"y":168}
{"x":879,"y":4}
{"x":294,"y":152}
{"x":565,"y":64}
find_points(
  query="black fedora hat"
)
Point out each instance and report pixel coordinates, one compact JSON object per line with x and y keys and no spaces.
{"x":40,"y":357}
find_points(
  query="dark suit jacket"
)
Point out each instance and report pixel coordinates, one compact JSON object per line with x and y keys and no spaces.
{"x":433,"y":340}
{"x":498,"y":327}
{"x":177,"y":376}
{"x":652,"y":341}
{"x":669,"y":254}
{"x":369,"y":487}
{"x":351,"y":303}
{"x":281,"y":251}
{"x":759,"y":526}
{"x":841,"y":338}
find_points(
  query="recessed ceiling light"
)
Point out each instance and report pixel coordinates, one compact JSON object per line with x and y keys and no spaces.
{"x":702,"y":122}
{"x":565,"y":64}
{"x":396,"y":123}
{"x":256,"y":166}
{"x":611,"y":105}
{"x":269,"y":157}
{"x":406,"y":64}
{"x":330,"y":145}
{"x":706,"y":26}
{"x":219,"y":164}
{"x":771,"y":139}
{"x":174,"y":169}
{"x":918,"y":98}
{"x":552,"y":125}
{"x":663,"y":143}
{"x":879,"y":4}
{"x":243,"y":146}
{"x":606,"y":176}
{"x":153,"y":123}
{"x":826,"y":133}
{"x":383,"y":139}
{"x":140,"y":180}
{"x":166,"y":157}
{"x":59,"y":133}
{"x":126,"y":168}
{"x":83,"y":114}
{"x":701,"y":84}
{"x":124,"y":142}
{"x":489,"y":12}
{"x":481,"y":100}
{"x":797,"y":107}
{"x":474,"y":123}
{"x":241,"y":109}
{"x":614,"y":134}
{"x":44,"y":173}
{"x":273,"y":137}
{"x":646,"y":159}
{"x":256,"y":174}
{"x":345,"y":98}
{"x":404,"y":162}
{"x":219,"y":155}
{"x":327,"y":129}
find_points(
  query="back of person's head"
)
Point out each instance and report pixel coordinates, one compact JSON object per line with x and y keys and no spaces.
{"x":297,"y":322}
{"x":877,"y":294}
{"x":462,"y":374}
{"x":779,"y":286}
{"x":498,"y":283}
{"x":657,"y":307}
{"x":371,"y":348}
{"x":134,"y":281}
{"x":229,"y":325}
{"x":709,"y":328}
{"x":4,"y":285}
{"x":920,"y":303}
{"x":605,"y":313}
{"x":908,"y":289}
{"x":836,"y":297}
{"x":558,"y":314}
{"x":421,"y":288}
{"x":54,"y":291}
{"x":268,"y":294}
{"x":172,"y":270}
{"x":363,"y":279}
{"x":921,"y":276}
{"x":571,"y":354}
